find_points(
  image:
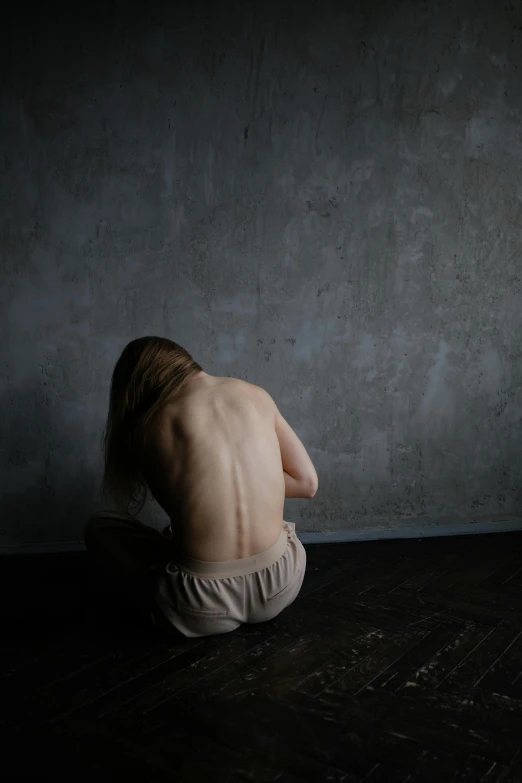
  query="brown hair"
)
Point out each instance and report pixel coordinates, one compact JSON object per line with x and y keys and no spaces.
{"x":149,"y":371}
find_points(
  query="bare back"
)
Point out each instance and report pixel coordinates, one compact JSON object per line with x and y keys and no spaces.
{"x":214,"y":465}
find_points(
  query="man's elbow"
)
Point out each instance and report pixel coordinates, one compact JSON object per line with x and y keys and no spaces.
{"x":312,"y":486}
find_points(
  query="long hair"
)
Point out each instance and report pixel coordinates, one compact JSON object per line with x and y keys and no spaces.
{"x":149,"y":371}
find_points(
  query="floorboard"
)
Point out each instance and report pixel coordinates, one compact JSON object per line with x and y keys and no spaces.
{"x":399,"y":661}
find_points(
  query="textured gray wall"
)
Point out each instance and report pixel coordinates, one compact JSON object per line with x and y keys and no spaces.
{"x":321,"y":198}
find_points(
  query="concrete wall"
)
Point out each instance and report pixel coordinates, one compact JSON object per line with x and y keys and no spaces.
{"x":322,"y":198}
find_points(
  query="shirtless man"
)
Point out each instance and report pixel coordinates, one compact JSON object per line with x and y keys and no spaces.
{"x":219,"y":458}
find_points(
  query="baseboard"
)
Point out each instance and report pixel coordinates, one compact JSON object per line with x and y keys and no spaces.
{"x":400,"y":529}
{"x":409,"y":530}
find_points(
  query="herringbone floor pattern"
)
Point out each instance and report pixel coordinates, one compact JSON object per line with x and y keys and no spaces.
{"x":400,"y":661}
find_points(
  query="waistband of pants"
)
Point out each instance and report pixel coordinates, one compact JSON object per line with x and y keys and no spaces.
{"x":241,"y":567}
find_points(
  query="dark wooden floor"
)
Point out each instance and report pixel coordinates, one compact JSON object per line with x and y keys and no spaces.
{"x":400,"y":661}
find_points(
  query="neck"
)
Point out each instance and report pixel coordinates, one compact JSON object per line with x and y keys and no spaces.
{"x":201,"y":378}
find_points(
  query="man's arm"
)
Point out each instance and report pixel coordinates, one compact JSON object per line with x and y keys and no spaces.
{"x":300,"y":475}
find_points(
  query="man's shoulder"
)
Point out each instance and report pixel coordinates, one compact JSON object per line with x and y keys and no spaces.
{"x":250,"y":388}
{"x":260,"y":398}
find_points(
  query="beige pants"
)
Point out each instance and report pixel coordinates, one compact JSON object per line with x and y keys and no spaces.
{"x":196,"y":597}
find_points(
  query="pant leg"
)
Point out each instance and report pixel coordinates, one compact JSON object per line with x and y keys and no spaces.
{"x":128,"y":554}
{"x":275,"y":588}
{"x":195,"y":606}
